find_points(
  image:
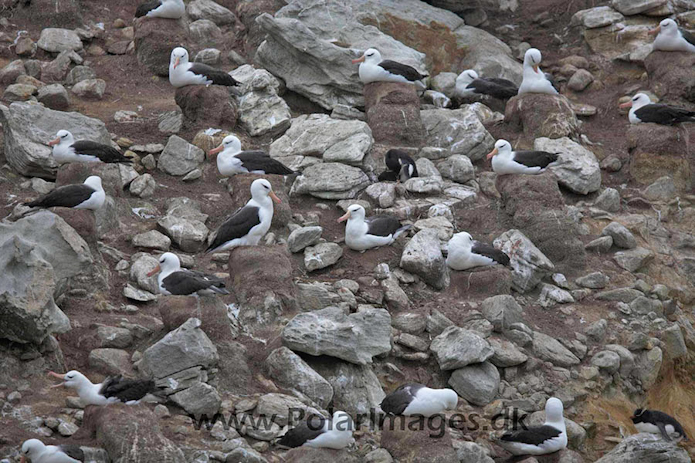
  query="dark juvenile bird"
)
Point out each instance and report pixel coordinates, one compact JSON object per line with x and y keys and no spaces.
{"x":173,"y":280}
{"x":400,"y":166}
{"x":643,"y":110}
{"x":656,"y":422}
{"x":87,"y":195}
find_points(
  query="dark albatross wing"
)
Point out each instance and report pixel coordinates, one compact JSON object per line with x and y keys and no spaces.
{"x":105,"y":153}
{"x":488,"y":251}
{"x":397,"y":401}
{"x":73,"y":451}
{"x":534,"y":158}
{"x":533,"y":435}
{"x":661,"y":417}
{"x":184,"y":283}
{"x":301,"y":433}
{"x":396,"y":159}
{"x":498,"y":88}
{"x":382,"y":225}
{"x":388,"y":176}
{"x":259,"y":160}
{"x":146,"y":7}
{"x":664,"y":114}
{"x":217,"y":76}
{"x":401,"y":69}
{"x":65,"y":196}
{"x":690,"y":38}
{"x":236,"y":226}
{"x":126,"y":389}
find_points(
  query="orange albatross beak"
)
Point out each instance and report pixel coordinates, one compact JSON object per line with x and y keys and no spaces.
{"x":23,"y":459}
{"x":274,"y":197}
{"x":626,"y":105}
{"x":56,"y":375}
{"x":155,"y":271}
{"x":344,"y":217}
{"x":655,"y":31}
{"x":492,"y":153}
{"x":177,"y":62}
{"x":216,"y":150}
{"x":535,"y":68}
{"x":54,"y":142}
{"x":359,"y":60}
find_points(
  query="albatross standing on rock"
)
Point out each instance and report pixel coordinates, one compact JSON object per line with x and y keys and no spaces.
{"x":373,"y":69}
{"x":335,"y":433}
{"x":250,"y":223}
{"x":643,"y":110}
{"x":534,"y":81}
{"x":468,"y":83}
{"x":87,"y":195}
{"x":66,"y":149}
{"x":232,"y":160}
{"x":672,"y":38}
{"x":362,"y":234}
{"x":465,"y":253}
{"x":175,"y":281}
{"x":416,"y":399}
{"x":114,"y":388}
{"x":182,"y":72}
{"x":38,"y":452}
{"x":506,"y":161}
{"x":168,"y":9}
{"x":539,"y":440}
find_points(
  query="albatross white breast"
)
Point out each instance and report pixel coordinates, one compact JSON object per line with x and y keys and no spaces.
{"x":464,"y":253}
{"x":38,"y":452}
{"x":66,"y":149}
{"x":182,"y":72}
{"x":643,"y":110}
{"x":231,"y":160}
{"x":88,"y":195}
{"x":318,"y":431}
{"x":168,"y":9}
{"x":669,"y":37}
{"x":373,"y":69}
{"x":114,"y":388}
{"x":173,"y":280}
{"x":416,"y":399}
{"x":362,"y":234}
{"x":250,"y":223}
{"x":539,"y":440}
{"x":506,"y":161}
{"x":534,"y":81}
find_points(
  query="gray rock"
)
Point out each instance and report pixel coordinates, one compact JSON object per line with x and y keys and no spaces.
{"x":207,"y":9}
{"x":356,"y":388}
{"x":595,"y":280}
{"x":330,"y":180}
{"x":529,"y":265}
{"x":378,"y":456}
{"x":110,"y":361}
{"x":281,"y":407}
{"x":633,"y":259}
{"x":321,"y":256}
{"x":662,"y":190}
{"x":470,"y":452}
{"x":412,"y":323}
{"x":599,"y":16}
{"x":188,"y":234}
{"x":67,"y":429}
{"x":170,"y":122}
{"x":244,"y":455}
{"x":19,"y":92}
{"x":424,"y":185}
{"x":261,"y":110}
{"x":622,"y":237}
{"x":477,"y":383}
{"x":199,"y":399}
{"x":112,"y":336}
{"x":185,"y":347}
{"x":577,"y":168}
{"x":152,"y":240}
{"x":41,"y":186}
{"x":502,"y":311}
{"x":580,"y":80}
{"x":457,"y":348}
{"x":139,"y":295}
{"x":551,"y":350}
{"x":141,"y":266}
{"x":506,"y":353}
{"x":27,"y":127}
{"x":647,"y":367}
{"x":608,"y":200}
{"x":627,"y":360}
{"x":606,"y":361}
{"x":442,"y":225}
{"x":144,"y":185}
{"x":423,"y":257}
{"x":395,"y":297}
{"x":315,"y":296}
{"x":445,"y":82}
{"x":90,"y":88}
{"x":54,"y":96}
{"x":625,"y":295}
{"x":632,"y":7}
{"x":457,"y":168}
{"x":600,"y":245}
{"x":205,"y":32}
{"x":645,"y":448}
{"x":289,"y":371}
{"x":673,"y":342}
{"x":180,"y":157}
{"x":356,"y":337}
{"x":80,"y":73}
{"x":9,"y":74}
{"x":302,"y":237}
{"x":383,"y":194}
{"x":460,"y":131}
{"x":56,"y":40}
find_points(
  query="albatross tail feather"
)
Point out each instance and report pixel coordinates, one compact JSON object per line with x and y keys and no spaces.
{"x":401,"y":230}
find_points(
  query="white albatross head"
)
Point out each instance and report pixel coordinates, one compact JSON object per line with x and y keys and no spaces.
{"x":261,"y":189}
{"x":667,"y":27}
{"x":230,"y":143}
{"x":371,"y":56}
{"x":355,"y":211}
{"x":63,"y":137}
{"x":554,"y":410}
{"x":637,"y":101}
{"x":501,"y":147}
{"x":94,"y":181}
{"x":31,"y":449}
{"x":72,"y":378}
{"x":168,"y":263}
{"x":532,"y":59}
{"x":466,"y":77}
{"x":460,"y":239}
{"x":179,"y":56}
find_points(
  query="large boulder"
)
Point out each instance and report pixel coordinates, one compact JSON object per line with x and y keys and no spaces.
{"x":481,"y":281}
{"x":477,"y":383}
{"x":645,"y":448}
{"x":207,"y":9}
{"x":669,"y":76}
{"x":356,"y":337}
{"x":130,"y":433}
{"x":393,"y":113}
{"x":551,"y":350}
{"x":289,"y":371}
{"x":529,"y":265}
{"x":415,"y":440}
{"x":69,"y":15}
{"x":261,"y":110}
{"x":311,"y":47}
{"x":207,"y":106}
{"x":330,"y":180}
{"x":56,"y":40}
{"x":27,"y":129}
{"x":459,"y":131}
{"x":456,"y":348}
{"x":576,"y":169}
{"x":423,"y":257}
{"x":154,"y":40}
{"x":541,"y":115}
{"x":29,"y":313}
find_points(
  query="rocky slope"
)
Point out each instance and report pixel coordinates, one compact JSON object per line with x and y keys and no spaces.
{"x":596,"y":308}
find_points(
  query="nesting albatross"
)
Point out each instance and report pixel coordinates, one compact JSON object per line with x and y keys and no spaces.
{"x":506,"y":161}
{"x":539,"y":440}
{"x":173,"y":280}
{"x":468,"y":83}
{"x":87,"y":195}
{"x":643,"y":110}
{"x":465,"y":253}
{"x":373,"y":69}
{"x":416,"y":399}
{"x":66,"y":149}
{"x":38,"y":452}
{"x":365,"y":233}
{"x":114,"y":388}
{"x":317,"y":431}
{"x":182,"y":72}
{"x":670,"y":37}
{"x":232,"y":160}
{"x":534,"y":80}
{"x":168,"y":9}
